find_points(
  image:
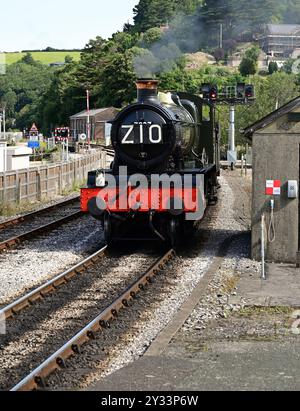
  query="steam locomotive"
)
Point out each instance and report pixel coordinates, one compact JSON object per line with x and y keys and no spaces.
{"x":164,"y":174}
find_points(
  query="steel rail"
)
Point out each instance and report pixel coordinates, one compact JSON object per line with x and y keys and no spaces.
{"x":40,"y":230}
{"x":30,"y":216}
{"x":57,"y":361}
{"x":50,"y":286}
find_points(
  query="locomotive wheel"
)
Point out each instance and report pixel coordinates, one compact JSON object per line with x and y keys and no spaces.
{"x":107,"y":226}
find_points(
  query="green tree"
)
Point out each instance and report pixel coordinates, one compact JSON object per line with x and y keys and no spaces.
{"x":21,"y":90}
{"x":291,"y":11}
{"x":118,"y":81}
{"x":271,"y":91}
{"x":273,"y":67}
{"x":247,"y":67}
{"x":64,"y":97}
{"x":288,"y":65}
{"x":236,"y":16}
{"x":28,"y":59}
{"x":186,"y":6}
{"x":249,"y":63}
{"x":68,"y":59}
{"x":151,"y":37}
{"x":152,"y":13}
{"x":155,"y":13}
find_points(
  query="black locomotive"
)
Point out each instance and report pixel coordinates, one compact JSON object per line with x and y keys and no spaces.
{"x":165,"y":168}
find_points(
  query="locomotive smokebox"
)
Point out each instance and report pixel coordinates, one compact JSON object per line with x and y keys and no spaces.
{"x":147,"y":91}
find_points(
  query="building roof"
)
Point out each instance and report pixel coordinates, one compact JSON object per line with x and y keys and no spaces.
{"x":283,"y":29}
{"x":34,"y":127}
{"x":270,"y":118}
{"x":57,"y":63}
{"x":93,"y":113}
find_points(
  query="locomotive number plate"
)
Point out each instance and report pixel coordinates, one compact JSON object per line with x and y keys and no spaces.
{"x":142,"y":134}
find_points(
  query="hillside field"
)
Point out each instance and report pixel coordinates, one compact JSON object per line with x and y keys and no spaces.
{"x":45,"y":57}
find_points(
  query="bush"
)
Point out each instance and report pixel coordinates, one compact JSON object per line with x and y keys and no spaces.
{"x":249,"y":64}
{"x":273,"y":67}
{"x":219,"y":54}
{"x":248,"y":67}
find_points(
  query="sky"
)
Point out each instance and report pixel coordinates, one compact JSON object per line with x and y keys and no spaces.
{"x":37,"y":24}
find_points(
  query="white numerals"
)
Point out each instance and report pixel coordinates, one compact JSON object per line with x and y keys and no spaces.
{"x":154,"y":138}
{"x":141,"y":134}
{"x":125,"y":139}
{"x":159,"y":135}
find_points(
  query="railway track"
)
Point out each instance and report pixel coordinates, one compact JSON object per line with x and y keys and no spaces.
{"x":107,"y":301}
{"x":17,"y":230}
{"x":50,"y":286}
{"x":25,"y":307}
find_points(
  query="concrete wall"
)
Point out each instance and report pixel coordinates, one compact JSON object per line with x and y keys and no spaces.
{"x":276,"y":156}
{"x":18,"y":158}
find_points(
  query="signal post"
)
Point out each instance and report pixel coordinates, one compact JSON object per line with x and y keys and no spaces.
{"x":239,"y":94}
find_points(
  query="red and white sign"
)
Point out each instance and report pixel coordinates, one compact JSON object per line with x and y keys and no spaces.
{"x":273,"y":187}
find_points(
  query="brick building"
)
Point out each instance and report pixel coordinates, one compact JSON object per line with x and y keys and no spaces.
{"x":99,"y":119}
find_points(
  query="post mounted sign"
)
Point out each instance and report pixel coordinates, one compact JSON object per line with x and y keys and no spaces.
{"x":273,"y":187}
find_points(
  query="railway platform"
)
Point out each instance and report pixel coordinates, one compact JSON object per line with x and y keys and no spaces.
{"x":253,"y":348}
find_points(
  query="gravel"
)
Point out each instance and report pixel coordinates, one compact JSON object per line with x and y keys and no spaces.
{"x":46,"y":217}
{"x":33,"y":262}
{"x":39,"y":206}
{"x":35,"y":334}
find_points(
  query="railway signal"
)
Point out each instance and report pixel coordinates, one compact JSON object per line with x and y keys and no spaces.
{"x":213,"y":95}
{"x":232,"y":95}
{"x":240,"y":91}
{"x":249,"y":91}
{"x":210,"y":92}
{"x":237,"y":94}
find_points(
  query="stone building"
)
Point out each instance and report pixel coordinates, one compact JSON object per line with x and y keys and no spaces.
{"x":280,"y":41}
{"x":276,"y":174}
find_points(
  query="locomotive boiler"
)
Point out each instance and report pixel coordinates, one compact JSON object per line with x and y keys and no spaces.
{"x":165,"y":169}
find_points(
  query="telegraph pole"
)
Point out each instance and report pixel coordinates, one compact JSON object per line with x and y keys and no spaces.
{"x":232,"y":155}
{"x":88,"y":118}
{"x":221,"y":36}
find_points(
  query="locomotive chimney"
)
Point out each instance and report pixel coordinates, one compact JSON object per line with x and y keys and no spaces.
{"x":147,"y":91}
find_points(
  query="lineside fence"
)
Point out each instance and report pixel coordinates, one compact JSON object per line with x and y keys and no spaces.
{"x":47,"y":181}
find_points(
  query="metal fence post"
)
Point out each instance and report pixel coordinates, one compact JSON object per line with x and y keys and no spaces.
{"x":263,"y":273}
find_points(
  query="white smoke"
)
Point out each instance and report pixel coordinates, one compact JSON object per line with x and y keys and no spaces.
{"x":181,"y":36}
